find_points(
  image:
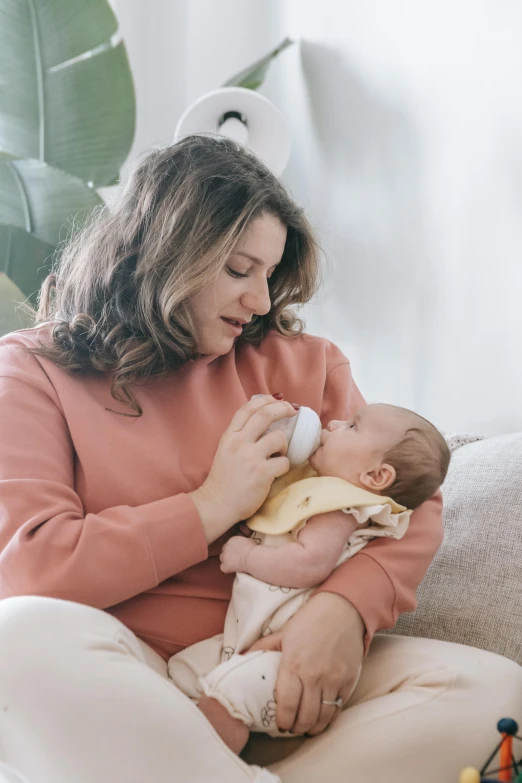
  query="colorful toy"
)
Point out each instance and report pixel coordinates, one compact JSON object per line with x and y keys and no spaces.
{"x":508,"y":729}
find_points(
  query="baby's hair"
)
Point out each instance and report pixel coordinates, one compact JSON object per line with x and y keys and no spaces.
{"x":421,"y":460}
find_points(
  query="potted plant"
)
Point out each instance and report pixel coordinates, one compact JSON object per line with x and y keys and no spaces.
{"x":67,"y":120}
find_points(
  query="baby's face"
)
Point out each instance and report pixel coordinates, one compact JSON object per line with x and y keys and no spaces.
{"x":351,"y":448}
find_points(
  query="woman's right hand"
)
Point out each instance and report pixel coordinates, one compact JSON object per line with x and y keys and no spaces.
{"x":247,"y":461}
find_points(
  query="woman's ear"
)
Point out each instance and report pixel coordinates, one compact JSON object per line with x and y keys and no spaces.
{"x":378,"y":479}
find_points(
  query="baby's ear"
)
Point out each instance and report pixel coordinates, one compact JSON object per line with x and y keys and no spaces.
{"x":379,"y":479}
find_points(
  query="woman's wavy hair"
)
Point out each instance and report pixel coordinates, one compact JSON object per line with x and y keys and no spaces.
{"x":118,"y":298}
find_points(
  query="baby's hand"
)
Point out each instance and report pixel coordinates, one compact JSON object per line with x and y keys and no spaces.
{"x":234,"y":554}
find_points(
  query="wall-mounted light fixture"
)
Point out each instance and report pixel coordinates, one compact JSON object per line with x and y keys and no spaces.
{"x":245,"y":116}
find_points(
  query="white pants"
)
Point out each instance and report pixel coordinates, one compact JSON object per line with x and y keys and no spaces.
{"x":82,"y":700}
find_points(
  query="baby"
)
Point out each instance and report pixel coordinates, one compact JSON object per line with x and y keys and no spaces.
{"x":377,"y":467}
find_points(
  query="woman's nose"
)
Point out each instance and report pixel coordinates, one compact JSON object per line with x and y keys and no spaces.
{"x":334,"y":425}
{"x":257,"y":298}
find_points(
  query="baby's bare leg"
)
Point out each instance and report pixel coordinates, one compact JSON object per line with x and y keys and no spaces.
{"x":232,"y":731}
{"x":245,"y":686}
{"x":185,"y":670}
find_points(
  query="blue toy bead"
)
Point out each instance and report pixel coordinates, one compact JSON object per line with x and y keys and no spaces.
{"x":507,"y":726}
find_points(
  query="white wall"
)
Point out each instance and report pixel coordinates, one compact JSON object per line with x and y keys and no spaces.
{"x":180,"y":49}
{"x":407,"y":127}
{"x":407,"y":120}
{"x":155,"y":35}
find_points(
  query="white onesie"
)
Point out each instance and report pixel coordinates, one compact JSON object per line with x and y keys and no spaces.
{"x":245,"y":684}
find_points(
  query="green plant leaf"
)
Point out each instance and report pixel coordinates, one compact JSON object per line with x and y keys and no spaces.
{"x":12,"y":316}
{"x":254,"y":76}
{"x":66,"y":96}
{"x":24,"y":259}
{"x":42,"y":200}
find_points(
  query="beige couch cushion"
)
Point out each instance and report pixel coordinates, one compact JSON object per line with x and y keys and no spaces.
{"x":472,"y":593}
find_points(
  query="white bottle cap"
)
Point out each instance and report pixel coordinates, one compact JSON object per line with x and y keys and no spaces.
{"x":306,"y":437}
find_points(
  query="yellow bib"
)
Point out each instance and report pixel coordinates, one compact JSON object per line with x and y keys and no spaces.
{"x":301,"y":494}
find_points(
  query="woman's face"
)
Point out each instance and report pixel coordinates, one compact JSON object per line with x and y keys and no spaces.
{"x":223,"y":307}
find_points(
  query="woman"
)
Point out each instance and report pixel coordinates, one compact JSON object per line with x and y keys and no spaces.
{"x":131,"y":448}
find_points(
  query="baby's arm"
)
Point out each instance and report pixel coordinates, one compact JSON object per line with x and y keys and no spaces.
{"x":303,"y":563}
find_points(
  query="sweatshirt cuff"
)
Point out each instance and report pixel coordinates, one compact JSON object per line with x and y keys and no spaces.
{"x":367,"y":586}
{"x":175,"y":534}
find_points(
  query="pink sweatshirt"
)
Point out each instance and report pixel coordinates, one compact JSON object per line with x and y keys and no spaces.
{"x":94,"y":505}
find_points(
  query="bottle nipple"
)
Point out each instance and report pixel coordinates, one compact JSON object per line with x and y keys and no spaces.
{"x":302,"y":432}
{"x":305,"y":438}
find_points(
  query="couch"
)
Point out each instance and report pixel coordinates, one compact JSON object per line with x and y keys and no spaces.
{"x":471,"y":591}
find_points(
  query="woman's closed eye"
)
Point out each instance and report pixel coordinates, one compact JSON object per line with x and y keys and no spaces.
{"x":239,"y":275}
{"x":235,"y":273}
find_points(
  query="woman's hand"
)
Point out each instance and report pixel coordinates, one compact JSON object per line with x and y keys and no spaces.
{"x":247,"y":461}
{"x":322,"y":648}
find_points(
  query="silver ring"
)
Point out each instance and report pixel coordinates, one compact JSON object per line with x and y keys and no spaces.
{"x":337,"y":703}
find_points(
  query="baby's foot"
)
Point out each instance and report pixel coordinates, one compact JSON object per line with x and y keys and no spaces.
{"x":245,"y":685}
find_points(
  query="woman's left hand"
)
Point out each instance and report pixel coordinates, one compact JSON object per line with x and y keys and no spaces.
{"x":322,"y":647}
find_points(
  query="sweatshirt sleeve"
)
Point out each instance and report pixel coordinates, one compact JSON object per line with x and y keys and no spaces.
{"x":381,"y":580}
{"x":48,"y":546}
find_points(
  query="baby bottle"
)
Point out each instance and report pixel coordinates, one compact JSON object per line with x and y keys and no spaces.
{"x":303,"y":434}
